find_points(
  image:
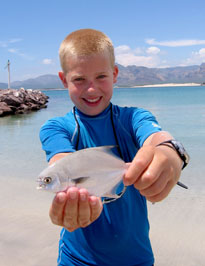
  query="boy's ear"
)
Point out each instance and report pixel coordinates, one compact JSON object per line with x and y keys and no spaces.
{"x":63,"y":79}
{"x":115,"y":74}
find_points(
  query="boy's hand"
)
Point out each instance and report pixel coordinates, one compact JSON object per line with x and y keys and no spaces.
{"x":154,"y":171}
{"x":75,"y":208}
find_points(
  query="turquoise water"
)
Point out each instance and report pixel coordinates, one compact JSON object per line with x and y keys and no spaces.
{"x":179,"y":110}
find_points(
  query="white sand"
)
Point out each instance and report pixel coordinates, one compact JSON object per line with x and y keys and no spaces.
{"x":178,"y":230}
{"x":27,"y":237}
{"x":171,"y":85}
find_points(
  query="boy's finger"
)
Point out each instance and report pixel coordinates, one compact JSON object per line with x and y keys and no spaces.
{"x":83,"y":208}
{"x":163,"y":194}
{"x":56,"y":210}
{"x":139,"y":164}
{"x":71,"y":209}
{"x":150,"y":176}
{"x":153,"y":172}
{"x":156,"y":187}
{"x":96,"y":207}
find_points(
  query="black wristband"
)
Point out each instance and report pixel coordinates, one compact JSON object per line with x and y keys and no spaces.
{"x":178,"y":147}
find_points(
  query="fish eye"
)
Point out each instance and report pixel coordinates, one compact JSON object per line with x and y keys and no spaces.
{"x":47,"y":180}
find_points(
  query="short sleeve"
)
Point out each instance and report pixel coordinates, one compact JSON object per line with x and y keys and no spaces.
{"x":144,"y":124}
{"x":55,"y":137}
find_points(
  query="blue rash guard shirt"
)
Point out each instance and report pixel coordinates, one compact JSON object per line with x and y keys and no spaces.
{"x":120,"y":236}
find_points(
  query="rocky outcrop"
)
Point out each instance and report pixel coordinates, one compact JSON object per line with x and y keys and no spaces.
{"x":21,"y":101}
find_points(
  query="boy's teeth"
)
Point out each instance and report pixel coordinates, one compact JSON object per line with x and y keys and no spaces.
{"x":93,"y":100}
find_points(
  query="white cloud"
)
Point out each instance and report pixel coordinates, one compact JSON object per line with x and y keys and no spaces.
{"x":175,"y":43}
{"x":138,"y":50}
{"x":13,"y":51}
{"x":139,"y":57}
{"x":122,"y":49}
{"x":196,"y":58}
{"x":47,"y":61}
{"x":153,"y":50}
{"x":15,"y":40}
{"x":4,"y":44}
{"x":202,"y":52}
{"x":17,"y":52}
{"x":130,"y":59}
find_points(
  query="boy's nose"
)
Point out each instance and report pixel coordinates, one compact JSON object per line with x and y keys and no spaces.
{"x":91,"y":86}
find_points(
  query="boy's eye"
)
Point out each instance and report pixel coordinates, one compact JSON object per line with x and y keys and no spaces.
{"x":101,"y":76}
{"x":78,"y":79}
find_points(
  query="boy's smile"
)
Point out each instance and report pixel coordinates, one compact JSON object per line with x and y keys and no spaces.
{"x":90,"y":82}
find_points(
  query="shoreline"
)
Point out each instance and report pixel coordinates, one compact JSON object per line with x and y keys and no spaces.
{"x":170,"y":85}
{"x":162,"y":85}
{"x":134,"y":86}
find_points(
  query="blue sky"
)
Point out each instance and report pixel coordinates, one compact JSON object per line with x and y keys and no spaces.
{"x":151,"y":33}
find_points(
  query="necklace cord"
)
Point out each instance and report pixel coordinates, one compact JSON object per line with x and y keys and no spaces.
{"x":78,"y":128}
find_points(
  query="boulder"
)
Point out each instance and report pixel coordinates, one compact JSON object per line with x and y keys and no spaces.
{"x":12,"y":100}
{"x":21,"y":101}
{"x":5,"y":109}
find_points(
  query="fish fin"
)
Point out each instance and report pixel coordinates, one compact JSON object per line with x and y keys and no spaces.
{"x":111,"y":196}
{"x":107,"y":149}
{"x":102,"y":148}
{"x":113,"y":193}
{"x":80,"y":180}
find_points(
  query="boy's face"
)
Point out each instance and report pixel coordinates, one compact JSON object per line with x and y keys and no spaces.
{"x":90,"y":82}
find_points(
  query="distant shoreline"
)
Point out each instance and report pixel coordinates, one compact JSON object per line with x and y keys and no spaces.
{"x":170,"y":85}
{"x":135,"y":86}
{"x":162,"y":85}
{"x":146,"y":86}
{"x":150,"y":85}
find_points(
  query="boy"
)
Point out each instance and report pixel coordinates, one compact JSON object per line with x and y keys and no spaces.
{"x":116,"y":233}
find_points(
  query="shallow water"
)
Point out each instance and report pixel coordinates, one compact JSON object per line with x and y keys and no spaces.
{"x":177,"y":224}
{"x":179,"y":110}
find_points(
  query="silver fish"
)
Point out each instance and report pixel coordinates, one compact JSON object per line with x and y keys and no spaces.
{"x":97,"y":169}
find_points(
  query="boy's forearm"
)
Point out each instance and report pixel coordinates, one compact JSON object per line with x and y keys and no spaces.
{"x":157,"y":138}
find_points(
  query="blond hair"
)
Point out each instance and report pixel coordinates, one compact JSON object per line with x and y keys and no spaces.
{"x":85,"y":42}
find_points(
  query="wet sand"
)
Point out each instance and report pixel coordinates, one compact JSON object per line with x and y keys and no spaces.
{"x":177,"y":230}
{"x":28,"y":238}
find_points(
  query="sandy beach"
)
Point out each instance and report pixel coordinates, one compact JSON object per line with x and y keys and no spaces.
{"x":28,"y":238}
{"x":170,"y":85}
{"x":177,"y":230}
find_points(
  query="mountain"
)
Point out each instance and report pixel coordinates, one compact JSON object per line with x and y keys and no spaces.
{"x":3,"y":85}
{"x":41,"y":82}
{"x":128,"y":76}
{"x":133,"y":75}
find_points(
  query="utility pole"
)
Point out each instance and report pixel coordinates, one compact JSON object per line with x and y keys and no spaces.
{"x":9,"y":79}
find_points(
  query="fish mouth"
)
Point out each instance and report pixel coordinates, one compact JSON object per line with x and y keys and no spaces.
{"x":41,"y":186}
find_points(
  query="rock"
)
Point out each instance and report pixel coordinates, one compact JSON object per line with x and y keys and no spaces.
{"x":12,"y":100}
{"x":21,"y":101}
{"x":5,"y":109}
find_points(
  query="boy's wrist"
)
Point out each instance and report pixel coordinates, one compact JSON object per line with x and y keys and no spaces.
{"x":179,"y":148}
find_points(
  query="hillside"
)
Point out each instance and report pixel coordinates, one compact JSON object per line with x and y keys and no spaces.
{"x":128,"y":76}
{"x":3,"y":85}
